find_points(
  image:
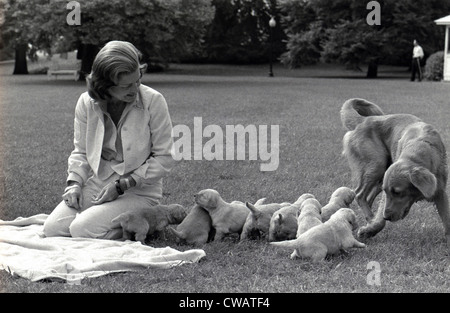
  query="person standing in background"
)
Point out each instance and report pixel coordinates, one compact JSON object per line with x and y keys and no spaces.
{"x":417,"y":57}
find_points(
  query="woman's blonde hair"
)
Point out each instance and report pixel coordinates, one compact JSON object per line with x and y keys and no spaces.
{"x":116,"y":58}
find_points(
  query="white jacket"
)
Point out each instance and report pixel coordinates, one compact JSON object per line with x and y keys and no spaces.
{"x":146,"y":136}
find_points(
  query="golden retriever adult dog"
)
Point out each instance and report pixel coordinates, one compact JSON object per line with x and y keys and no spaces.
{"x":397,"y":154}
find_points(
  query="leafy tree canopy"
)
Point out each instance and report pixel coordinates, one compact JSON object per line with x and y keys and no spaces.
{"x":337,"y":30}
{"x":162,"y":30}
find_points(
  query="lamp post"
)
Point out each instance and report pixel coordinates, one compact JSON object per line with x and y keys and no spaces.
{"x":272,"y":24}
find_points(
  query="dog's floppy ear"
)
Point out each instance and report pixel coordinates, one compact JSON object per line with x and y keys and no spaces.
{"x":280,"y":219}
{"x":252,"y":208}
{"x":121,"y":218}
{"x":212,"y":199}
{"x":424,"y":180}
{"x":349,"y":197}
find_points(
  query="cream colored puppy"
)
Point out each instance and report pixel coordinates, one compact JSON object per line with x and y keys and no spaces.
{"x":226,"y":217}
{"x":309,"y":216}
{"x":146,"y":221}
{"x":283,"y":224}
{"x":341,"y":198}
{"x":258,"y":221}
{"x":196,"y":228}
{"x":331,"y":237}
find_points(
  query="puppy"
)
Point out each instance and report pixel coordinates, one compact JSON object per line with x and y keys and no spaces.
{"x":196,"y":228}
{"x":146,"y":221}
{"x":283,"y":224}
{"x":227,"y":218}
{"x":341,"y":198}
{"x":258,"y":221}
{"x":399,"y":155}
{"x":309,"y":216}
{"x":328,"y":238}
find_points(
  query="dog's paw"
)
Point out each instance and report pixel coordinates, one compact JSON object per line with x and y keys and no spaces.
{"x":364,"y":232}
{"x":294,"y":255}
{"x":360,"y":245}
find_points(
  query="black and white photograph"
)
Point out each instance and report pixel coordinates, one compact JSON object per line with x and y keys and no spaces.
{"x":224,"y":155}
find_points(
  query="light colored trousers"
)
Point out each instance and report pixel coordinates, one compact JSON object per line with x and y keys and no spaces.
{"x":94,"y":221}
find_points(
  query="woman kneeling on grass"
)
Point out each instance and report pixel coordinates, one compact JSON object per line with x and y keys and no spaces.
{"x":122,"y":139}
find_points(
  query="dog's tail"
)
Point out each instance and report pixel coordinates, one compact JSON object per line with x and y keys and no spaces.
{"x":289,"y":244}
{"x":177,"y":233}
{"x":260,"y":201}
{"x":121,"y":218}
{"x":354,"y":111}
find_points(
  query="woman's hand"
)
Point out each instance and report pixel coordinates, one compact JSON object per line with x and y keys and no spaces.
{"x":107,"y":194}
{"x":73,"y":196}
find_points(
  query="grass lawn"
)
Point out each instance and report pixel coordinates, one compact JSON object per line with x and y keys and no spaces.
{"x":36,"y":126}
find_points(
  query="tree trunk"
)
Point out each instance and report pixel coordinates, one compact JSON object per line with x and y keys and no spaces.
{"x":87,"y":54}
{"x":372,"y":71}
{"x":20,"y":66}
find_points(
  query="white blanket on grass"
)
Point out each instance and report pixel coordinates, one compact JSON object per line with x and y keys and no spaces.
{"x":25,"y":252}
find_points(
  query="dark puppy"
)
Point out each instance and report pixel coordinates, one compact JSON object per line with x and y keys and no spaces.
{"x":146,"y":221}
{"x":284,"y":224}
{"x":258,"y":221}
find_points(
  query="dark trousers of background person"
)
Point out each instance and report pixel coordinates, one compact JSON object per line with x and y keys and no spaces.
{"x":416,"y":69}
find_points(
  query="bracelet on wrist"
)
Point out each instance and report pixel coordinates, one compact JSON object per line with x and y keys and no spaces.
{"x":118,"y":188}
{"x":127,"y":183}
{"x":124,"y":184}
{"x":72,"y":183}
